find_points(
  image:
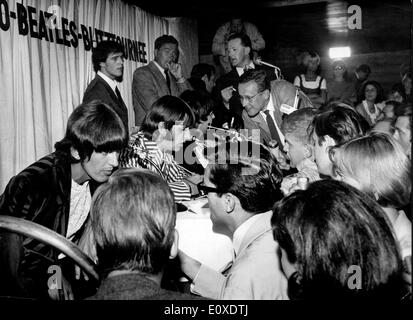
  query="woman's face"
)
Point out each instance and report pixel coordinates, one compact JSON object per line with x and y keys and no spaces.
{"x":370,"y":93}
{"x":312,"y":65}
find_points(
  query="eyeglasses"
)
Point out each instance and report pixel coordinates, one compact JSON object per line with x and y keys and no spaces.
{"x":250,"y":99}
{"x":338,"y":68}
{"x":204,"y":190}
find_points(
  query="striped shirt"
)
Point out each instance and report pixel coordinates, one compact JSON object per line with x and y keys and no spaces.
{"x":143,"y":153}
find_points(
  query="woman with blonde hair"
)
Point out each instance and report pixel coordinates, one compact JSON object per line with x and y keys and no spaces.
{"x":311,"y":83}
{"x":377,"y":165}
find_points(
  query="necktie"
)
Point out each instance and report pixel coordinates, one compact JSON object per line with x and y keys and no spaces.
{"x":273,"y":129}
{"x":118,"y":94}
{"x":168,"y":80}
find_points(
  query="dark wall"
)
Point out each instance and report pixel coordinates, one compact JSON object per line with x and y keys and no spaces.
{"x":383,"y":42}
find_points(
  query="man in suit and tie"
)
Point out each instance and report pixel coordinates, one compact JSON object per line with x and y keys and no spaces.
{"x":264,"y":103}
{"x":240,"y":55}
{"x":242,"y":186}
{"x":107,"y":60}
{"x":161,"y":77}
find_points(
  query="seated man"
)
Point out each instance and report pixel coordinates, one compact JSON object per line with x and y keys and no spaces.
{"x":242,"y":188}
{"x":55,"y":192}
{"x":133,"y":222}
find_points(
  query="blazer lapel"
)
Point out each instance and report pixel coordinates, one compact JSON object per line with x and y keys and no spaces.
{"x":160,"y":79}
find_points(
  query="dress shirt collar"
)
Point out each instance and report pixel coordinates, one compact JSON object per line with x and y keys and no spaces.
{"x":162,"y":70}
{"x":241,"y":70}
{"x":112,"y":83}
{"x":241,"y":231}
{"x":270,"y":107}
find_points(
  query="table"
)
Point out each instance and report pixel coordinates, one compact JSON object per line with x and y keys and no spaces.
{"x":197,"y":239}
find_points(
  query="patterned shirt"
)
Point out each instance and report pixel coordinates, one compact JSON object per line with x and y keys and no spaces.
{"x":143,"y":153}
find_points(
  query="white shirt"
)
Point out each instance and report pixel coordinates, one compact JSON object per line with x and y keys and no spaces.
{"x":271,"y":108}
{"x":403,"y":230}
{"x":241,"y":70}
{"x":80,"y":201}
{"x":112,"y":83}
{"x":162,"y":70}
{"x":241,"y":231}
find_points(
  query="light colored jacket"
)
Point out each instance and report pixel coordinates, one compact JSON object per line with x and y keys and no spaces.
{"x":255,"y":273}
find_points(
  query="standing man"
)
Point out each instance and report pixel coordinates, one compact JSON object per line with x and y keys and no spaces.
{"x":161,"y":77}
{"x":240,"y":55}
{"x":55,"y":192}
{"x":107,"y":60}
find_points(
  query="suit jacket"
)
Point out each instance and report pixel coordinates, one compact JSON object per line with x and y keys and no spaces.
{"x":259,"y":123}
{"x":235,"y":106}
{"x":149,"y":84}
{"x":99,"y":89}
{"x":40,"y":193}
{"x":135,"y":286}
{"x":255,"y":273}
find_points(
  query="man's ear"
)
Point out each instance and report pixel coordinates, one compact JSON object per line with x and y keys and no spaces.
{"x":205,"y":78}
{"x":174,"y":249}
{"x":248,"y":50}
{"x":74,"y":153}
{"x":229,"y":202}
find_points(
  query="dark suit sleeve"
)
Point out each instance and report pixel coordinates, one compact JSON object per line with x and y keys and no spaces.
{"x":15,"y":201}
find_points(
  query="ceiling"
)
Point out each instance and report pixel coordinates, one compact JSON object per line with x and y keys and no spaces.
{"x":196,"y":8}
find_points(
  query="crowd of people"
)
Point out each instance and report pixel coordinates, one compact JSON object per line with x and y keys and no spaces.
{"x":310,"y":180}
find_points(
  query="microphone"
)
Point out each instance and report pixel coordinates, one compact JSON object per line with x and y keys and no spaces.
{"x":258,"y":61}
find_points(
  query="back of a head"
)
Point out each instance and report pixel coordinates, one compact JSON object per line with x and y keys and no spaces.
{"x":93,"y":126}
{"x":340,"y":123}
{"x":333,"y":232}
{"x":133,"y":221}
{"x":201,"y":104}
{"x":201,"y":69}
{"x":250,"y":172}
{"x":102,"y":51}
{"x":364,"y":68}
{"x":167,"y":109}
{"x":379,"y":165}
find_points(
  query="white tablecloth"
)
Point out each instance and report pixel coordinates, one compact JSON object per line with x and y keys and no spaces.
{"x":197,"y":239}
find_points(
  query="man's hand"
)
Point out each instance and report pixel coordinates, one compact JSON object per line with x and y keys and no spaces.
{"x":227,"y":94}
{"x":176,"y":70}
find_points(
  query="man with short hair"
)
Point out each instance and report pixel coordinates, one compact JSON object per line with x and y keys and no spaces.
{"x":335,"y":125}
{"x":202,"y":77}
{"x":107,"y":60}
{"x":402,"y":126}
{"x":133,"y":221}
{"x":242,"y":184}
{"x":161,"y":77}
{"x":55,"y":192}
{"x":240,"y":55}
{"x":264,"y":102}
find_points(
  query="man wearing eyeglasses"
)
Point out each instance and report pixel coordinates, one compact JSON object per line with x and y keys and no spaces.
{"x":240,"y":55}
{"x":241,"y":192}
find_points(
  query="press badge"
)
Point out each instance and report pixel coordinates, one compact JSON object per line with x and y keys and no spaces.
{"x":285,"y":108}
